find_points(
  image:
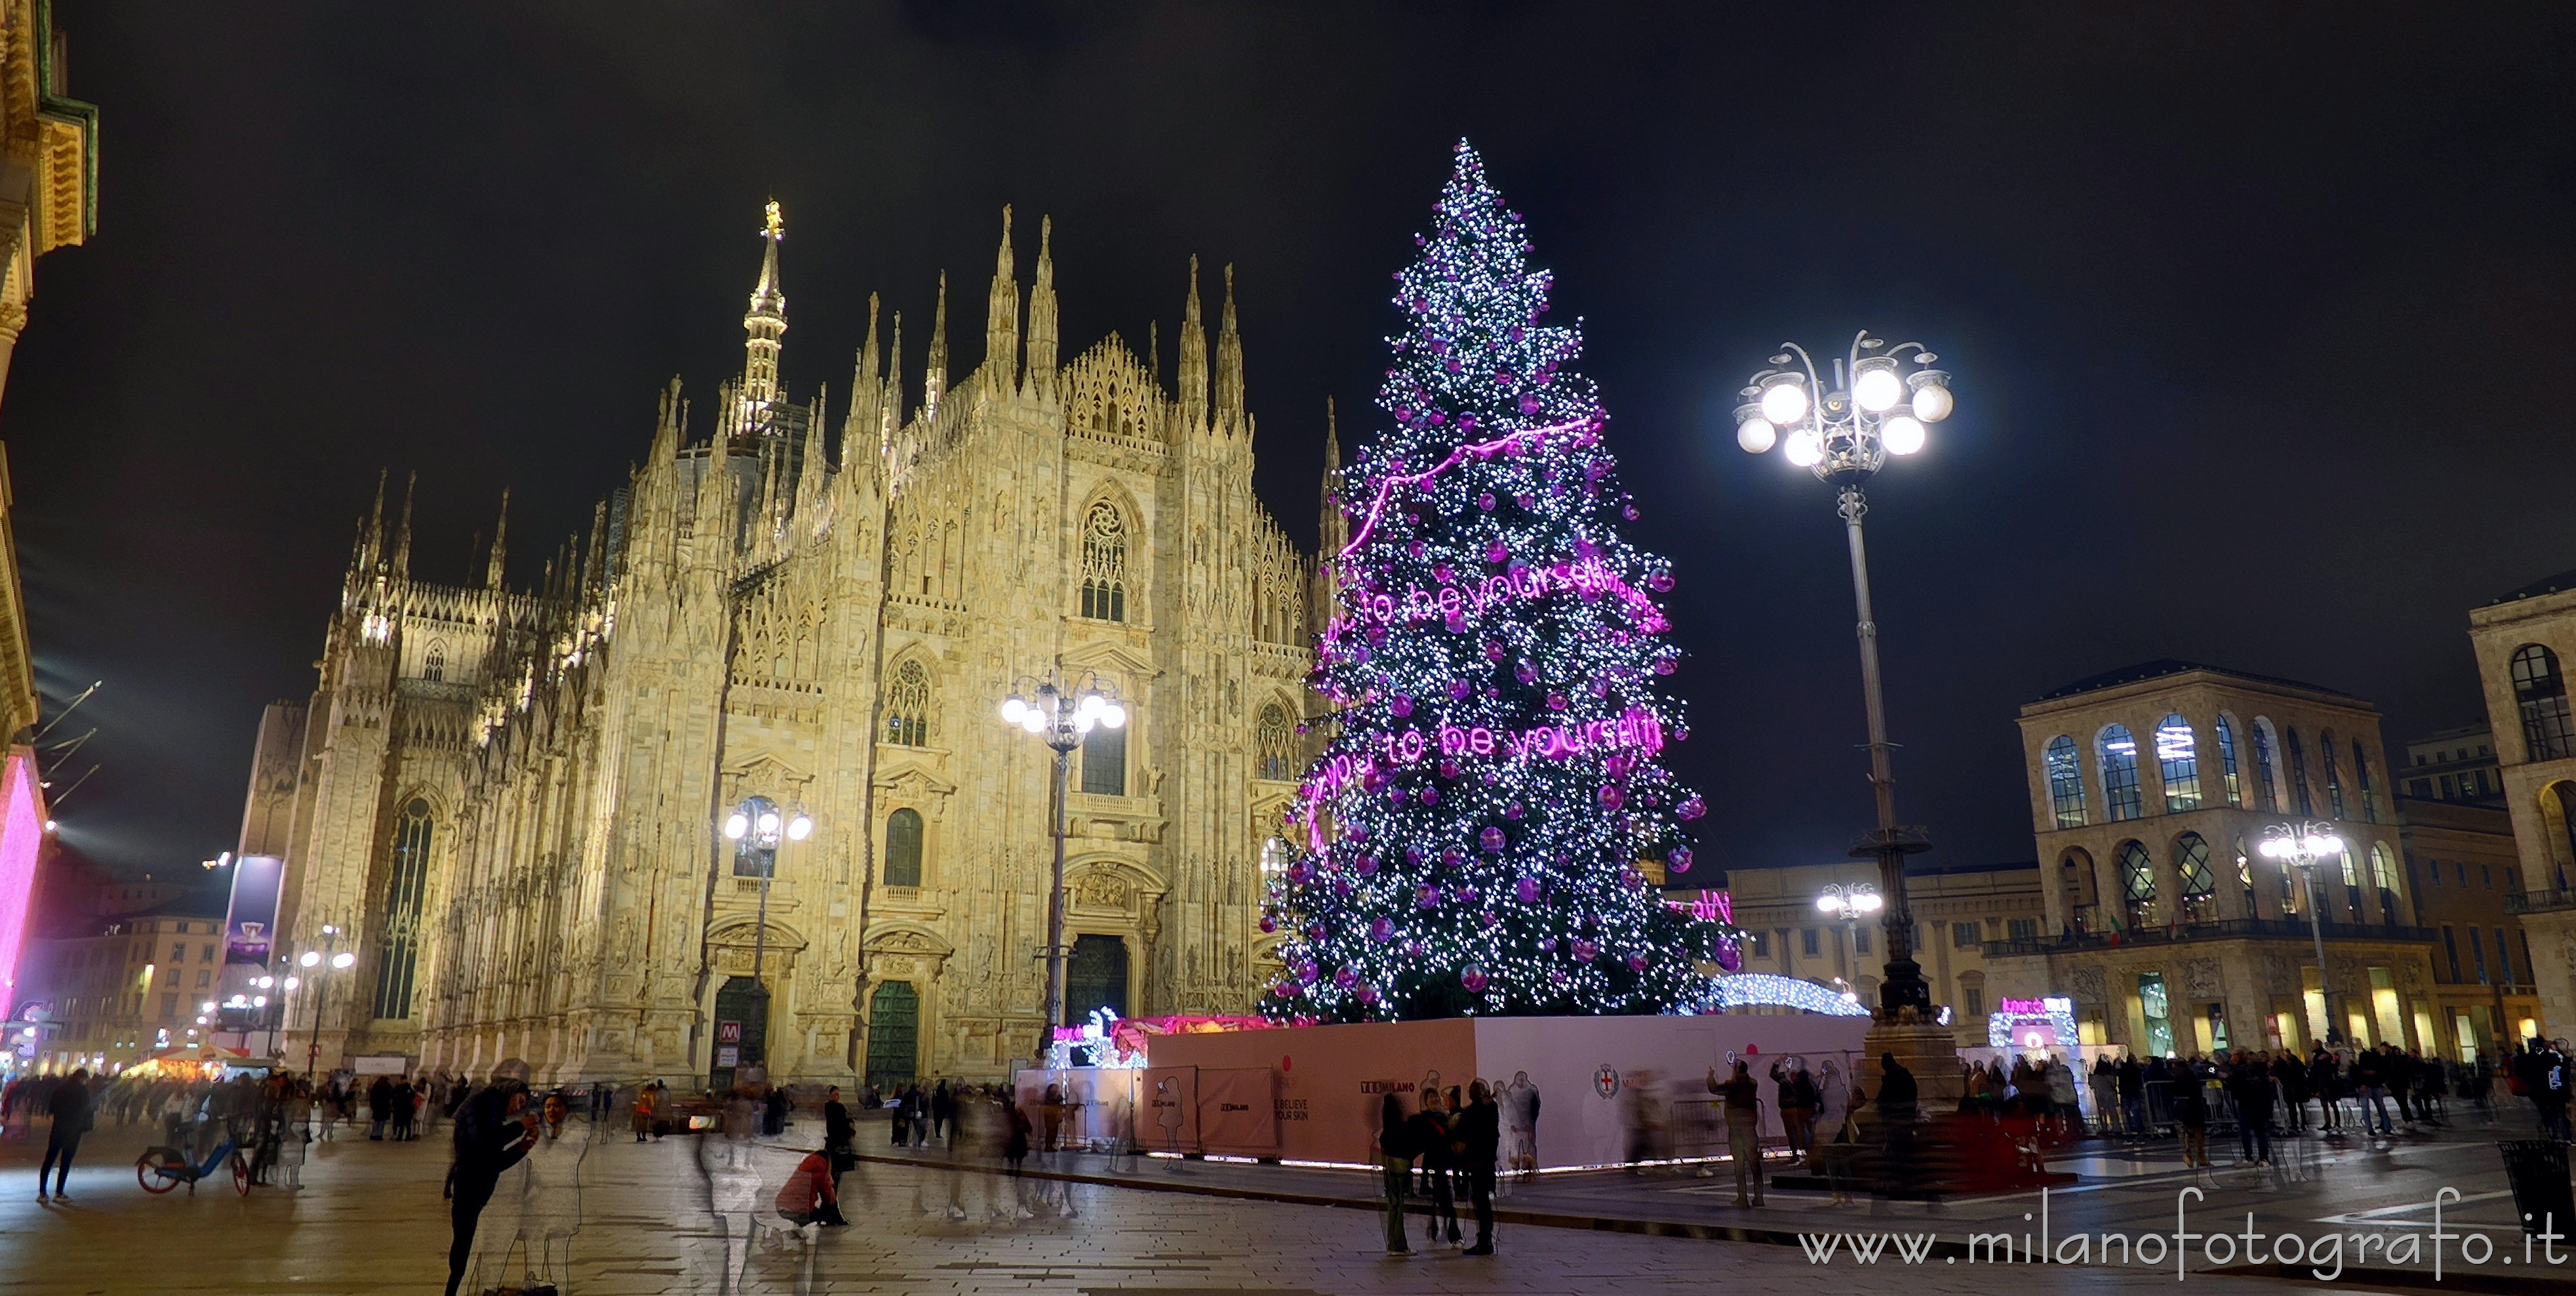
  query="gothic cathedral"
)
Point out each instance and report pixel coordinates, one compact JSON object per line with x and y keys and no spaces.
{"x":507,"y":802}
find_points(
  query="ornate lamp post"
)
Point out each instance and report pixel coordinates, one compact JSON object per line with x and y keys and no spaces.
{"x":2300,"y":846}
{"x":315,"y":962}
{"x":756,"y":827}
{"x":1850,"y":902}
{"x":1844,"y":434}
{"x":1061,"y":719}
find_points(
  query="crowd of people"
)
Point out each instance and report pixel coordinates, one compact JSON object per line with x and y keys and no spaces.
{"x":1444,"y":1147}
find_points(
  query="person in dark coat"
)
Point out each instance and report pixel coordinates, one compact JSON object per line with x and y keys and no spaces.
{"x":1395,"y":1151}
{"x":1431,"y":1135}
{"x":1897,"y":1092}
{"x":943,"y":1109}
{"x":494,"y":1130}
{"x":2249,"y":1086}
{"x":380,"y":1108}
{"x":69,"y":1106}
{"x":837,"y":1131}
{"x":406,"y":1104}
{"x":1474,"y":1144}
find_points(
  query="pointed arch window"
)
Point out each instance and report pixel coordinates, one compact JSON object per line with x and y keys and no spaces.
{"x":410,"y":879}
{"x":903,"y":848}
{"x":2120,"y":773}
{"x":2065,"y":782}
{"x":907,"y":705}
{"x":2199,"y":887}
{"x":2267,"y":782}
{"x":2227,"y":761}
{"x":2138,"y":884}
{"x":2299,"y":775}
{"x":2540,"y":695}
{"x":434,"y":667}
{"x":1274,"y":751}
{"x":2178,"y":760}
{"x":1104,"y":564}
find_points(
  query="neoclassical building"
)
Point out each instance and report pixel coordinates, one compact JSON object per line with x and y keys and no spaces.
{"x":2151,"y":788}
{"x":506,"y":800}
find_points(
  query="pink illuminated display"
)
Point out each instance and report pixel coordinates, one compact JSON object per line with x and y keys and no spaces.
{"x":1587,"y":577}
{"x":1513,"y":444}
{"x":22,"y":830}
{"x":1638,"y":730}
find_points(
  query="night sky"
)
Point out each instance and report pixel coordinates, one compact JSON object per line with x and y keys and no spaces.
{"x":2257,"y":318}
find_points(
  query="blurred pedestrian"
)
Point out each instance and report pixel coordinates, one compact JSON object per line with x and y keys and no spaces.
{"x":1395,"y":1156}
{"x":494,"y":1130}
{"x":70,"y":1107}
{"x":1475,"y":1142}
{"x":1743,"y":1097}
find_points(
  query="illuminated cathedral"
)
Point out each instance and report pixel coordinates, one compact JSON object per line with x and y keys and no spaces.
{"x":507,"y":801}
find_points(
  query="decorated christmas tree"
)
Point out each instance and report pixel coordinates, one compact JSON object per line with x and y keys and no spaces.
{"x":1479,"y":833}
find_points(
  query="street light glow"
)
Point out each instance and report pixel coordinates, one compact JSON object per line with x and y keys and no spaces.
{"x":310,"y":958}
{"x":1014,"y":707}
{"x":1903,"y":434}
{"x":1877,"y":388}
{"x":800,"y":827}
{"x":1784,"y":399}
{"x":344,"y":960}
{"x":736,"y":826}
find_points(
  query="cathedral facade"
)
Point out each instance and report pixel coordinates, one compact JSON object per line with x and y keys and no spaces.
{"x":507,"y":801}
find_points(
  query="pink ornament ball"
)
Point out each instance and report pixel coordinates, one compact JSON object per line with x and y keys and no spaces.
{"x":1585,"y":951}
{"x":1269,"y":924}
{"x":1366,"y":994}
{"x":1491,"y":839}
{"x":1612,"y":797}
{"x":1472,"y":977}
{"x":1382,"y":931}
{"x":1679,"y":859}
{"x":1729,"y":957}
{"x":1401,"y":705}
{"x":1636,"y":962}
{"x":1692,"y":807}
{"x":1526,"y":890}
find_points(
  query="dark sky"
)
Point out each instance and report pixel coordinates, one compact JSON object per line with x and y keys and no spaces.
{"x":2256,"y":316}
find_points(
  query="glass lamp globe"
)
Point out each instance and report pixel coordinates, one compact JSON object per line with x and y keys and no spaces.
{"x":1032,"y":721}
{"x":1756,"y":434}
{"x":310,"y":958}
{"x":800,"y":828}
{"x":1013,"y":707}
{"x":1114,"y":716}
{"x":1932,"y":401}
{"x":768,"y":824}
{"x":736,"y":826}
{"x":1877,"y":388}
{"x":1784,"y":401}
{"x":1806,"y":448}
{"x":344,"y":960}
{"x":1829,"y":903}
{"x":1903,"y":434}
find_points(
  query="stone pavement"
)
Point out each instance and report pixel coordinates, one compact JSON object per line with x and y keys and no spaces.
{"x":639,"y":1220}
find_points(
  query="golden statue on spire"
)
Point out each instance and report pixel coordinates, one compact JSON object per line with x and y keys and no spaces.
{"x":776,"y":227}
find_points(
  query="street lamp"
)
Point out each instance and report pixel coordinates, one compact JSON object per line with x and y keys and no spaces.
{"x":2300,"y":846}
{"x":1850,"y":902}
{"x":1061,"y":719}
{"x":1844,"y":435}
{"x":312,"y":961}
{"x":757,"y":826}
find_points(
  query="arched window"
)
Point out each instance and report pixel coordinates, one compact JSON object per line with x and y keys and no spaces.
{"x":2334,"y":781}
{"x":434,"y":666}
{"x":2199,"y":888}
{"x":2138,"y":884}
{"x":401,"y":943}
{"x":2361,"y":777}
{"x":2078,"y":883}
{"x":903,"y":848}
{"x":2120,"y":773}
{"x":1104,"y":564}
{"x":2267,"y":780}
{"x":2178,"y":759}
{"x":2227,"y":760}
{"x":2065,"y":782}
{"x":2383,"y":875}
{"x":2351,"y":886}
{"x":2245,"y":879}
{"x":2540,"y":694}
{"x":1272,"y":745}
{"x":2299,"y":776}
{"x":907,"y":705}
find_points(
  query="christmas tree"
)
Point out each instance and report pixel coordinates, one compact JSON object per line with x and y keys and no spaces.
{"x":1476,"y":836}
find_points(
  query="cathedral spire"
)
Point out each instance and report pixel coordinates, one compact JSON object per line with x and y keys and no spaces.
{"x":893,"y":383}
{"x":762,"y":328}
{"x":1002,"y":319}
{"x":402,"y":532}
{"x":374,"y":547}
{"x":1332,"y":526}
{"x":860,"y":424}
{"x":493,"y":570}
{"x":1154,"y":353}
{"x":1042,"y":331}
{"x":667,"y":429}
{"x":593,"y":575}
{"x":1229,"y":359}
{"x":1194,"y":389}
{"x":935,"y":383}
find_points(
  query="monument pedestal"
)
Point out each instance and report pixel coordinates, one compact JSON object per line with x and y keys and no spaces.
{"x":1925,"y":1047}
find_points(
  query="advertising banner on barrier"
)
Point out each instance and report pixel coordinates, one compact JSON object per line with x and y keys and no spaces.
{"x":1236,"y":1112}
{"x":1171,"y":1122}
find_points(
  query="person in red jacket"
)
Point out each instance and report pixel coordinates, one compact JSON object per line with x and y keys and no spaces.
{"x":808,"y":1197}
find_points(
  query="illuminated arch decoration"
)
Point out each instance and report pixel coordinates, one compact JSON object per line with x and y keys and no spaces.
{"x":1759,"y":989}
{"x":2032,"y":1023}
